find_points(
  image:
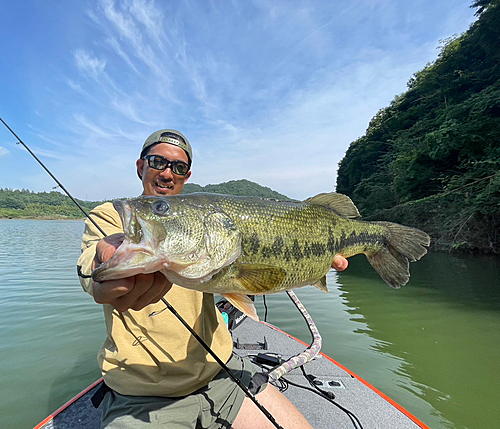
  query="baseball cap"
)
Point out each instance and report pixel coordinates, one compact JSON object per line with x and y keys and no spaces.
{"x":171,"y":137}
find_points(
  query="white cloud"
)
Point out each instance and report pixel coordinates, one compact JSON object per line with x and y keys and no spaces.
{"x":137,"y":23}
{"x":272,"y":91}
{"x":116,"y":47}
{"x":4,"y":151}
{"x":89,"y":64}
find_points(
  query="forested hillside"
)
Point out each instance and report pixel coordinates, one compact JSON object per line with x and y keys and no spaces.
{"x":432,"y":157}
{"x":54,"y":205}
{"x":28,"y":204}
{"x":241,"y":187}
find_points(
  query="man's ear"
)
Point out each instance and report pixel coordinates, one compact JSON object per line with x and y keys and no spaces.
{"x":140,"y":167}
{"x":187,"y":176}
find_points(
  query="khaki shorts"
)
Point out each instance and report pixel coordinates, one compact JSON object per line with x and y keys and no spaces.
{"x":213,"y":406}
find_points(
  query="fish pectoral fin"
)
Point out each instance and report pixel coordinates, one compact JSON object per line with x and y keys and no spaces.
{"x":242,"y":303}
{"x":321,"y":284}
{"x":259,"y":278}
{"x":341,"y":203}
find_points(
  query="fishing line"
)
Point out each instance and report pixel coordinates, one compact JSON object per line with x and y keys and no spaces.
{"x":54,"y":177}
{"x":172,"y":309}
{"x":223,"y":365}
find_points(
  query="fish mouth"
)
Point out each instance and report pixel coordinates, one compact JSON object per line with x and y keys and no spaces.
{"x":128,"y":260}
{"x":135,"y":255}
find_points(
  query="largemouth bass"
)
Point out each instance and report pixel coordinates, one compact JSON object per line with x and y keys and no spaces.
{"x":239,"y":246}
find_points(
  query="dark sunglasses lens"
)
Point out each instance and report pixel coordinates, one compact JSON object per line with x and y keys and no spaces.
{"x":160,"y":163}
{"x":180,"y":168}
{"x":157,"y":162}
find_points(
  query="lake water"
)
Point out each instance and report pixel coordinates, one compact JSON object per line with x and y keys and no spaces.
{"x":433,"y":346}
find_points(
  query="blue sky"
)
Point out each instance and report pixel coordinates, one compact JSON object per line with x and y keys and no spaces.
{"x":269,"y":91}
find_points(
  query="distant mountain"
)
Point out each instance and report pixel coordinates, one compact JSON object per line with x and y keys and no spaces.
{"x":55,"y":205}
{"x":241,"y":187}
{"x":15,"y":203}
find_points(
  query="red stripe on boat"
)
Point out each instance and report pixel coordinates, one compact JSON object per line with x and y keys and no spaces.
{"x":378,"y":392}
{"x":67,"y":404}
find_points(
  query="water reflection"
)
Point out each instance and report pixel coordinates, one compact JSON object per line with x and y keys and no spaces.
{"x":432,"y":346}
{"x":51,"y":330}
{"x":443,"y":330}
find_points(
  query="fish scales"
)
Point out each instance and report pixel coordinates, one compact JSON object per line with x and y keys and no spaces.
{"x":239,"y":246}
{"x":297,"y":237}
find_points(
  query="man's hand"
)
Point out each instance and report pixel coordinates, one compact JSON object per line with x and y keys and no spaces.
{"x":134,"y":292}
{"x":339,"y":263}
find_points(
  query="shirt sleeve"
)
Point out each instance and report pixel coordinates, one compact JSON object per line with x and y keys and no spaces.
{"x":109,"y":221}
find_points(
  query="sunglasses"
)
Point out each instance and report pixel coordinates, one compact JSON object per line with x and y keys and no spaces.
{"x":158,"y":162}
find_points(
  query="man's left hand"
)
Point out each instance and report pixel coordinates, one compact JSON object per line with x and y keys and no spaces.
{"x":339,"y":263}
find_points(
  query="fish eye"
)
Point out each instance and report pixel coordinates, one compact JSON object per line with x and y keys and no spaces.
{"x":160,"y":207}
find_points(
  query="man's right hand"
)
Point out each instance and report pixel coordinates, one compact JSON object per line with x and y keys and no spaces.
{"x":134,"y":292}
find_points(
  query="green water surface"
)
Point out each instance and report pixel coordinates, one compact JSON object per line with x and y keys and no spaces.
{"x":432,"y":346}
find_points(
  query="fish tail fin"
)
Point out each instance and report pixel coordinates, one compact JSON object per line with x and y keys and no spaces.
{"x":403,"y":245}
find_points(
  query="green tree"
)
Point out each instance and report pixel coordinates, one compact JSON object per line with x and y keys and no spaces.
{"x":438,"y":144}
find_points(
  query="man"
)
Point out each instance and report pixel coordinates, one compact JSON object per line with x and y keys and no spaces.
{"x":156,"y":373}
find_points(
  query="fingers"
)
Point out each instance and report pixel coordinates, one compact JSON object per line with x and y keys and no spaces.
{"x":339,"y":263}
{"x":106,"y":292}
{"x":149,"y":288}
{"x":133,"y":292}
{"x":167,"y":286}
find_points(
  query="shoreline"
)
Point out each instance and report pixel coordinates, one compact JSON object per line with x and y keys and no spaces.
{"x":435,"y":247}
{"x":42,"y":218}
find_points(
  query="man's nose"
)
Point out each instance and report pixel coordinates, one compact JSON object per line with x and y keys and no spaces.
{"x":167,"y":173}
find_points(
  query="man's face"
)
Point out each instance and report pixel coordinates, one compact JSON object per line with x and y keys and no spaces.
{"x":157,"y":182}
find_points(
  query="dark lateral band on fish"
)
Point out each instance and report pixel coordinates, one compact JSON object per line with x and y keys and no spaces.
{"x":239,"y":246}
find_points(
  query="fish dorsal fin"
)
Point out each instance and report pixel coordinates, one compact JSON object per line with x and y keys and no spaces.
{"x":242,"y":303}
{"x":259,"y":278}
{"x":341,"y":203}
{"x":321,"y":284}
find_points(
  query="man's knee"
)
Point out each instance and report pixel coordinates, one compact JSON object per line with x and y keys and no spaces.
{"x":285,"y":413}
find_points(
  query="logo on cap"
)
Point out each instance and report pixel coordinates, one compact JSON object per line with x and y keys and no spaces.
{"x":166,"y":139}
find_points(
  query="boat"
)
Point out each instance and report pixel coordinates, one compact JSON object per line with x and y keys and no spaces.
{"x":328,"y":394}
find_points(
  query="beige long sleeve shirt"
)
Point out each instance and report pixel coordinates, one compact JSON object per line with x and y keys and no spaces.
{"x":155,"y":356}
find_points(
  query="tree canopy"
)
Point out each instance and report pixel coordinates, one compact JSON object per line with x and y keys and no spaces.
{"x":15,"y":203}
{"x":240,"y":187}
{"x":432,"y":157}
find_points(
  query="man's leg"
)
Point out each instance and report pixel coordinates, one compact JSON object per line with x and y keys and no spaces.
{"x":285,"y":413}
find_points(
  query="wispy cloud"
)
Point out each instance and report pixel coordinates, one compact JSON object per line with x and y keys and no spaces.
{"x":3,"y":151}
{"x":272,"y":91}
{"x":116,"y":47}
{"x":89,"y":64}
{"x":137,"y":24}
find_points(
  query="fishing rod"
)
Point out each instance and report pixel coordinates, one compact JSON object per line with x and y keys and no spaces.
{"x":168,"y":305}
{"x":53,"y":177}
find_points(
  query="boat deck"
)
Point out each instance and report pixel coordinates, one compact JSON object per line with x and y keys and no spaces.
{"x":371,"y":408}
